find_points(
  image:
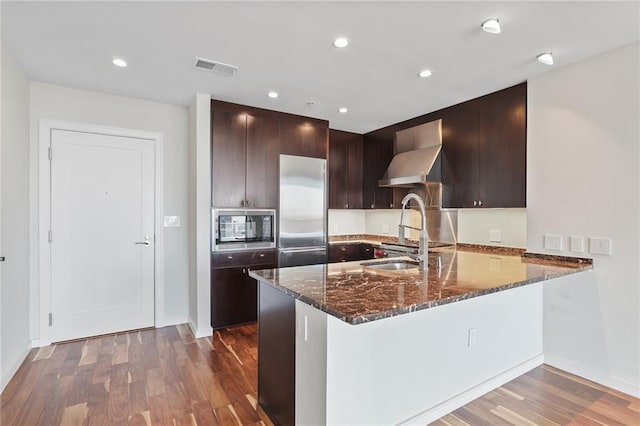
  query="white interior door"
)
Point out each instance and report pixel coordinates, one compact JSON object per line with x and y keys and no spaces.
{"x":102,"y":241}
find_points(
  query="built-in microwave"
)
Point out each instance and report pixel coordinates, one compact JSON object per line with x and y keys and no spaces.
{"x":242,"y":229}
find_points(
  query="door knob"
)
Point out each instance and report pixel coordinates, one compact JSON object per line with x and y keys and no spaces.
{"x":146,"y":241}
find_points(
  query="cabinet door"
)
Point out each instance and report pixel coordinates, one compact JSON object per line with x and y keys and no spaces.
{"x":228,"y":158}
{"x":262,"y":161}
{"x":344,"y":252}
{"x":232,"y":300}
{"x":354,"y":177}
{"x":338,"y":170}
{"x":460,"y":152}
{"x":303,"y":137}
{"x":377,"y":154}
{"x":503,"y":148}
{"x":366,"y":251}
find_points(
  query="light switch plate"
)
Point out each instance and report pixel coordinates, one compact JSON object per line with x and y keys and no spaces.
{"x":553,"y":242}
{"x":577,"y":244}
{"x":600,"y":246}
{"x":171,"y":221}
{"x":495,"y":235}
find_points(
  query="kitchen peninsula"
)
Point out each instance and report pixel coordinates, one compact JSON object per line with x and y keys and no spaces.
{"x":346,"y":344}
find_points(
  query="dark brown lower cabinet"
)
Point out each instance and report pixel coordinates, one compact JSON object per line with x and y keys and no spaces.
{"x":234,"y":294}
{"x":277,"y":355}
{"x":349,"y":252}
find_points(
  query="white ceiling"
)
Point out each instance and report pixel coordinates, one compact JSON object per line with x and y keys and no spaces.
{"x":287,"y":47}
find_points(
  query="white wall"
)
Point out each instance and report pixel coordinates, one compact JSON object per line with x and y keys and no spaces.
{"x":82,"y":106}
{"x":474,"y":226}
{"x":200,"y":215}
{"x":345,"y":222}
{"x":14,"y":196}
{"x":582,"y":174}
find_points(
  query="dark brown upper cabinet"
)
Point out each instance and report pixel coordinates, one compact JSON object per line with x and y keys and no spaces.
{"x":377,"y":154}
{"x":345,"y":170}
{"x":502,"y":148}
{"x":303,"y":136}
{"x":485,"y":147}
{"x":483,"y":157}
{"x":244,"y":162}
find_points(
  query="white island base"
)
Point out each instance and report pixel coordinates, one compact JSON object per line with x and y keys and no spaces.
{"x":416,"y":367}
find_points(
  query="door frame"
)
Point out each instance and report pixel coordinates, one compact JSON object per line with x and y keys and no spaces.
{"x":46,"y":127}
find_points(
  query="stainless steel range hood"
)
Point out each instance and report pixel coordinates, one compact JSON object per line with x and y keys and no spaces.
{"x":416,"y":150}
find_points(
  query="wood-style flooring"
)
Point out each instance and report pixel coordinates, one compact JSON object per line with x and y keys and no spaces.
{"x":167,"y":377}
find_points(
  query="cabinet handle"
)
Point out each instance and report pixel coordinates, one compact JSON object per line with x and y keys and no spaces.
{"x":244,"y":271}
{"x":480,"y":203}
{"x":391,"y":205}
{"x":229,"y":257}
{"x":346,"y":206}
{"x":261,"y":254}
{"x":372,"y":206}
{"x":247,"y":203}
{"x":343,"y":248}
{"x":475,"y":203}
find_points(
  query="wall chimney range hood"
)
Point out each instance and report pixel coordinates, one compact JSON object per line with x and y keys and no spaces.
{"x":416,"y":150}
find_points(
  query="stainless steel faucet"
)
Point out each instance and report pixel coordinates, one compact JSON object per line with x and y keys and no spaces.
{"x":423,"y":245}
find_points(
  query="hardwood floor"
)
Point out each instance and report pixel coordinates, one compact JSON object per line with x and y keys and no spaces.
{"x":166,"y":377}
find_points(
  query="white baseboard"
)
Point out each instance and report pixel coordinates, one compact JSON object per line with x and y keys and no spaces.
{"x":202,"y":332}
{"x":168,"y":321}
{"x":452,"y":404}
{"x":604,"y":380}
{"x":7,"y":374}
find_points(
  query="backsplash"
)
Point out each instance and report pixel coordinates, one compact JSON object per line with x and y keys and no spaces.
{"x":474,"y":226}
{"x":494,"y":227}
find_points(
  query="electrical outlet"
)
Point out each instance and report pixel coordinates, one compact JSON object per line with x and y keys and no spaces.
{"x":472,"y":338}
{"x":171,"y":221}
{"x":600,"y":246}
{"x":577,"y":244}
{"x":553,"y":242}
{"x":495,"y":235}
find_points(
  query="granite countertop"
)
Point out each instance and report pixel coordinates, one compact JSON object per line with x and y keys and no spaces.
{"x":357,"y":295}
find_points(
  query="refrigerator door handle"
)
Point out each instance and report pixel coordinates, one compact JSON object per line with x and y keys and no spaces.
{"x":302,"y":249}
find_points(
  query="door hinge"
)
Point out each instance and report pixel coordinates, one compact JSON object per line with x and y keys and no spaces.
{"x":50,"y":319}
{"x":50,"y":236}
{"x":50,"y":156}
{"x":2,"y":258}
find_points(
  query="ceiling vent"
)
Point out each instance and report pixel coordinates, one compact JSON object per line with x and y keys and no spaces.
{"x":217,"y":67}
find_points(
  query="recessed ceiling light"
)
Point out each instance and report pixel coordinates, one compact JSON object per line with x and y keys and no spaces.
{"x":272,"y":94}
{"x":341,"y":42}
{"x":546,"y":58}
{"x":343,"y":110}
{"x":119,"y":62}
{"x":425,"y":73}
{"x":491,"y":26}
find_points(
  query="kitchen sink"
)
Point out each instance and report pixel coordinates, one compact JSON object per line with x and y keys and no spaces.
{"x":392,"y":265}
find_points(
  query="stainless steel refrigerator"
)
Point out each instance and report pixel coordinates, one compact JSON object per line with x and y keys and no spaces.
{"x":303,"y":213}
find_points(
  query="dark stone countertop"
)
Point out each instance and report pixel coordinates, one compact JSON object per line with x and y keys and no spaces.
{"x":357,"y":295}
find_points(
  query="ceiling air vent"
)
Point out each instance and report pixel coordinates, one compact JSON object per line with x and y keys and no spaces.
{"x":217,"y":67}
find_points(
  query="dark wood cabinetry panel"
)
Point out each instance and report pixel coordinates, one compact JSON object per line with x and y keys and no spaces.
{"x":229,"y":294}
{"x":304,"y":137}
{"x":233,"y":291}
{"x":377,"y":154}
{"x":338,"y":170}
{"x":277,"y":355}
{"x":502,"y":143}
{"x":263,"y":134}
{"x":460,"y":151}
{"x":345,"y":170}
{"x":228,"y":157}
{"x":349,"y":252}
